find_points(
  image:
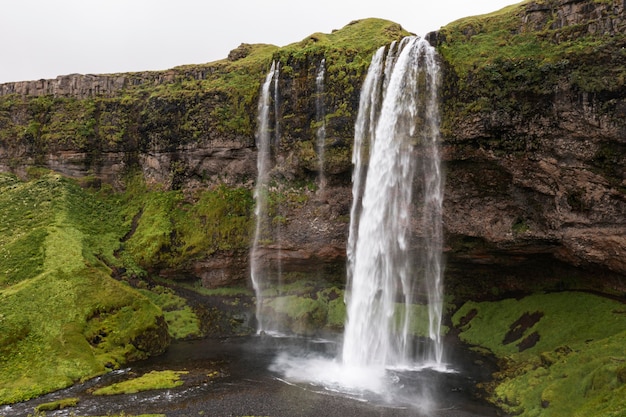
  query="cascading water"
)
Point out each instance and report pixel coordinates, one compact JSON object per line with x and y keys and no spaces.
{"x":263,"y":144}
{"x":398,"y":124}
{"x":394,"y":288}
{"x":320,"y":118}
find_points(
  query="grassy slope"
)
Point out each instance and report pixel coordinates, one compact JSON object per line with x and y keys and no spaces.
{"x":62,"y":316}
{"x":576,"y":368}
{"x":174,"y":229}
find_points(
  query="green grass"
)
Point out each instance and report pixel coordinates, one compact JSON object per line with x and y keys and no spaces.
{"x":57,"y":405}
{"x":150,"y":381}
{"x":581,"y":382}
{"x":577,"y":366}
{"x":181,"y":320}
{"x":473,"y":43}
{"x":63,"y":317}
{"x":569,"y":318}
{"x":173,"y":230}
{"x":498,"y":63}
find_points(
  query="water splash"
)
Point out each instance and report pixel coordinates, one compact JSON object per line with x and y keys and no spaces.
{"x":396,"y":137}
{"x":320,"y":118}
{"x":263,"y":144}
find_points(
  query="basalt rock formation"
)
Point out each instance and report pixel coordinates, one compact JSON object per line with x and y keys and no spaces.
{"x":533,"y":134}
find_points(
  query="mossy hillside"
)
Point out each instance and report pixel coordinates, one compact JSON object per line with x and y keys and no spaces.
{"x":173,"y":229}
{"x":477,"y":43}
{"x":569,"y":360}
{"x":182,"y":322}
{"x":64,"y":319}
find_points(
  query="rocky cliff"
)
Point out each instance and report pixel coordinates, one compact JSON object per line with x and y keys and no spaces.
{"x":533,"y":134}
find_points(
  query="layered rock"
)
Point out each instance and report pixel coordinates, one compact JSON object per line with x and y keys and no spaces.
{"x":533,"y":138}
{"x":535,"y":141}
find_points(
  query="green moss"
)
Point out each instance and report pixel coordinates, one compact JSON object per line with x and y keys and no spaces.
{"x":57,"y":405}
{"x":500,"y":62}
{"x":574,"y":365}
{"x":580,"y":382}
{"x":172,"y":230}
{"x":150,"y":381}
{"x":69,"y":319}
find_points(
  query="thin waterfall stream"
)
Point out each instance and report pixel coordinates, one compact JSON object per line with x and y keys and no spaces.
{"x":320,"y":118}
{"x":264,"y":157}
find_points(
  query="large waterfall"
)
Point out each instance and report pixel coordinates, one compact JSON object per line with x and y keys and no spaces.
{"x":397,"y":189}
{"x":394,"y":293}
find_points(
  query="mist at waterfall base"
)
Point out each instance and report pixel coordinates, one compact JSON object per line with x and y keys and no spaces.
{"x":397,"y":188}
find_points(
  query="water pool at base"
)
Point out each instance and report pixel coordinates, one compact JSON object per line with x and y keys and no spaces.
{"x":266,"y":376}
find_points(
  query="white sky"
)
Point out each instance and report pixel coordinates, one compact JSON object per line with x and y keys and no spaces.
{"x":46,"y":38}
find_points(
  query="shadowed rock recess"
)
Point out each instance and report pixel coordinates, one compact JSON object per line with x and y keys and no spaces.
{"x":533,"y":137}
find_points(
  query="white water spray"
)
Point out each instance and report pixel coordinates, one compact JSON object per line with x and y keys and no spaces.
{"x":263,"y":144}
{"x":396,"y":137}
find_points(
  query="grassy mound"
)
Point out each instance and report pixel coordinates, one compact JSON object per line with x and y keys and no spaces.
{"x":561,"y":353}
{"x":150,"y":381}
{"x":62,"y":316}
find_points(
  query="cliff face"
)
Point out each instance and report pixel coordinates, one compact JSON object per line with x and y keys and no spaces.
{"x":533,"y":131}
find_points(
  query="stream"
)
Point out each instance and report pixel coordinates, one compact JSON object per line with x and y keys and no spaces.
{"x":234,"y":377}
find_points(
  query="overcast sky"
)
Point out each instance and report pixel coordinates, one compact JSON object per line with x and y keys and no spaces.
{"x":46,"y":38}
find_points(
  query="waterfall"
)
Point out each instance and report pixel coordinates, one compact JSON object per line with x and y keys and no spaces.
{"x":263,"y":144}
{"x":397,"y":189}
{"x":320,"y":118}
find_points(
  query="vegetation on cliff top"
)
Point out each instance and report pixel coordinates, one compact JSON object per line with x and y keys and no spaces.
{"x":511,"y":34}
{"x":193,"y":102}
{"x":513,"y":60}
